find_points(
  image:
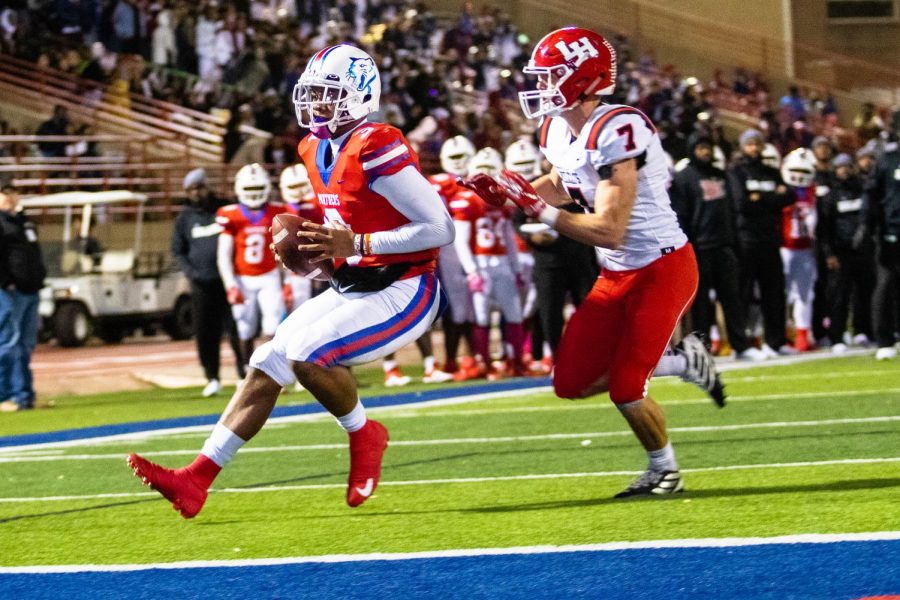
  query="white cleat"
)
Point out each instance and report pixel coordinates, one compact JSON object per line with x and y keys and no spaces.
{"x":394,"y":378}
{"x":839,"y":348}
{"x":437,"y":376}
{"x":212,"y":388}
{"x":886,"y":353}
{"x":751,"y":354}
{"x":861,"y":339}
{"x":298,"y":387}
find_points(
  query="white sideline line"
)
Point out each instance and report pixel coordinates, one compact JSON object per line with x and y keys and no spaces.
{"x":406,"y":411}
{"x":805,"y":538}
{"x":416,"y":482}
{"x":204,"y":429}
{"x":469,"y":440}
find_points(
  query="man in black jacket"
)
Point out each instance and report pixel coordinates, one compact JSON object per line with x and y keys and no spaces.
{"x":22,"y":275}
{"x":849,"y":258}
{"x":759,"y":197}
{"x":881,"y":204}
{"x":194,"y":244}
{"x":702,"y":201}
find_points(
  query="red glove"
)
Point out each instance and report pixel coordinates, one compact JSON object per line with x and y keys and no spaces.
{"x":511,"y":186}
{"x":287,"y":292}
{"x":476,"y":283}
{"x":235,"y":296}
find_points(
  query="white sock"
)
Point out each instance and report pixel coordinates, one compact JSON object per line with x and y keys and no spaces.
{"x":429,"y":363}
{"x":221,"y":445}
{"x":353,"y":420}
{"x":670,"y":364}
{"x":663,"y":459}
{"x":389,"y":365}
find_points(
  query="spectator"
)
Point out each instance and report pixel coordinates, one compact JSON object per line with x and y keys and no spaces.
{"x":865,"y":158}
{"x":849,"y":258}
{"x":881,"y":204}
{"x":129,"y":26}
{"x":58,"y":124}
{"x":205,"y":43}
{"x":22,"y":275}
{"x":194,"y":242}
{"x":759,"y":196}
{"x":867,"y":123}
{"x":701,"y":199}
{"x":793,"y":105}
{"x":164,"y":49}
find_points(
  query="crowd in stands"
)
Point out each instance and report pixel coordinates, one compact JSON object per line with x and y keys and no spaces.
{"x":440,"y":77}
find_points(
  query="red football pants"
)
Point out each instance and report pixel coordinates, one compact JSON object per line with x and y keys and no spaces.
{"x":623,"y":327}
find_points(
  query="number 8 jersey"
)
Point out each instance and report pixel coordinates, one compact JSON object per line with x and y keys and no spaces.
{"x":250,"y":230}
{"x":614,"y":133}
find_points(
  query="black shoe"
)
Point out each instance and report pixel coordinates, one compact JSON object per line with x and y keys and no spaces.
{"x":701,"y":368}
{"x":654,"y":483}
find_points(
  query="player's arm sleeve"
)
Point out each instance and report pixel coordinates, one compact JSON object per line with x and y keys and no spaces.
{"x":225,"y":259}
{"x":624,"y":136}
{"x":683,"y":201}
{"x":461,"y":245}
{"x":410,"y":193}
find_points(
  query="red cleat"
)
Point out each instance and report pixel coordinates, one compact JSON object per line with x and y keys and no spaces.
{"x":179,"y":486}
{"x":367,"y":448}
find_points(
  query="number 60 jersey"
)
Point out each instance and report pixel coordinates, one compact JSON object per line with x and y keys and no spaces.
{"x":612,"y":134}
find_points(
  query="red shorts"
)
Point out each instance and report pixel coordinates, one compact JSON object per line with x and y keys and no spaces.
{"x":623,"y":327}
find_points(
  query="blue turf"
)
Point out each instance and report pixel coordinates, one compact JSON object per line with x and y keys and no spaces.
{"x":280,"y":411}
{"x":842,"y":570}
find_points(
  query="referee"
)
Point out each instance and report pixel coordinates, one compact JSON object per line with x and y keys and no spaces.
{"x":194,"y":244}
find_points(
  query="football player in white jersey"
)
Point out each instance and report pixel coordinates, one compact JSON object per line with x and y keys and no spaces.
{"x":609,"y":159}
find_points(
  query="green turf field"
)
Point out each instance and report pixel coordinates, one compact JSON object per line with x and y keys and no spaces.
{"x":808,"y":448}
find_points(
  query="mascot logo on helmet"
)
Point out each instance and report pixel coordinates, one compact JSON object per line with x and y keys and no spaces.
{"x":362,"y":72}
{"x":578,"y":51}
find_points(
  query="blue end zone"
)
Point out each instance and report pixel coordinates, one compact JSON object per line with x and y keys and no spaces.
{"x":777,"y":571}
{"x":280,"y":411}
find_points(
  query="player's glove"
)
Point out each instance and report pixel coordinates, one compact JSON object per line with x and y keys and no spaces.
{"x":234,"y":295}
{"x":287,"y":293}
{"x":476,"y":283}
{"x":512,"y":187}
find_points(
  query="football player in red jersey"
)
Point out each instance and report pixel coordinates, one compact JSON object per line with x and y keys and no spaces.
{"x":247,"y":265}
{"x":383,"y":226}
{"x":457,"y":322}
{"x":485,"y":243}
{"x":798,"y":227}
{"x":609,"y":160}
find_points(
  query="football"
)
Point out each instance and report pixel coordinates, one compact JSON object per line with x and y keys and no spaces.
{"x":284,"y":237}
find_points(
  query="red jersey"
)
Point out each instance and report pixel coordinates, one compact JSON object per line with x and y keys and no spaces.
{"x":488,"y":223}
{"x":307,"y":209}
{"x":250,"y":230}
{"x":344,"y":188}
{"x":446,"y":186}
{"x":798,"y":220}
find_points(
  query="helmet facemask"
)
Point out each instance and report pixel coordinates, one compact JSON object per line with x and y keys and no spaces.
{"x":322,"y":105}
{"x":547,"y":97}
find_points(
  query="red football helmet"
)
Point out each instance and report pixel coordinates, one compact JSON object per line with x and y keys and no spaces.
{"x":570,"y":64}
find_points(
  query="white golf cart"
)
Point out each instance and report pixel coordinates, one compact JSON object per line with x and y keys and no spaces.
{"x":107,"y":286}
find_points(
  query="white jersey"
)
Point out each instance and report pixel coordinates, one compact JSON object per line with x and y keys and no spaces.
{"x":612,"y":134}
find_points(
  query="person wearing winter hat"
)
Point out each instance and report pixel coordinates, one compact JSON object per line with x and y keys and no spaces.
{"x":759,"y":197}
{"x":702,"y":200}
{"x":194,"y":243}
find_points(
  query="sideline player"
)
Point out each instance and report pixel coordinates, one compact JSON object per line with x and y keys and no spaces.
{"x":485,"y":244}
{"x":457,"y":322}
{"x":609,"y":159}
{"x":798,"y":227}
{"x":246,"y":264}
{"x":384,"y":224}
